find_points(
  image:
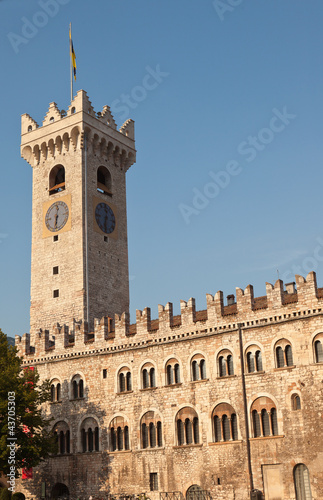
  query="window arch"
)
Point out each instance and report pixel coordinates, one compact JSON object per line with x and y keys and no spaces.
{"x":225,"y":363}
{"x":318,"y":348}
{"x":90,"y":435}
{"x":187,"y":427}
{"x":195,"y":492}
{"x":172,"y":372}
{"x":62,"y":434}
{"x":198,"y":368}
{"x":57,"y":179}
{"x":124,"y":380}
{"x":224,"y":422}
{"x":148,"y":376}
{"x":284,"y":354}
{"x":119,"y":434}
{"x":253,"y":359}
{"x":55,"y":391}
{"x":77,"y":387}
{"x":264,"y":417}
{"x":302,"y":482}
{"x":104,"y":182}
{"x":296,"y":402}
{"x":151,"y":430}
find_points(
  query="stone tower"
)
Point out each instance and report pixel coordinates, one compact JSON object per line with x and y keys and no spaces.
{"x":79,"y":264}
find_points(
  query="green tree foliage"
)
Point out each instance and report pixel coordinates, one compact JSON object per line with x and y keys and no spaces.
{"x":31,"y":428}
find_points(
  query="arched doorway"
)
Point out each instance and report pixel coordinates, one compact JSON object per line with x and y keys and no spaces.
{"x":302,"y":482}
{"x":195,"y":492}
{"x":60,"y":492}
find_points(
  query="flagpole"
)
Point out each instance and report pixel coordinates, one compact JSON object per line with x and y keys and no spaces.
{"x":71,"y":64}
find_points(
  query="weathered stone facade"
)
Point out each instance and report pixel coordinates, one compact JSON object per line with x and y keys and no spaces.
{"x":228,"y":399}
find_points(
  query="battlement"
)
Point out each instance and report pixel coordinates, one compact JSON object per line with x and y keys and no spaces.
{"x":62,"y":130}
{"x":299,"y":298}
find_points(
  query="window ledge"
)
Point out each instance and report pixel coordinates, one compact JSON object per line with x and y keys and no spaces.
{"x":263,"y":438}
{"x":77,"y":399}
{"x":174,"y":385}
{"x":149,"y":389}
{"x":119,"y":451}
{"x":125,"y":392}
{"x":55,"y":402}
{"x":199,"y":381}
{"x":255,"y":373}
{"x":156,"y":448}
{"x":226,"y":376}
{"x":237,"y":441}
{"x":284,"y":368}
{"x":179,"y":446}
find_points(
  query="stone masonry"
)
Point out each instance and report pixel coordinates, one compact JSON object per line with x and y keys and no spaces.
{"x":206,"y":404}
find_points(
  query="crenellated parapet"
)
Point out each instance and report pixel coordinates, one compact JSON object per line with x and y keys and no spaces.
{"x":82,"y":128}
{"x":114,"y":333}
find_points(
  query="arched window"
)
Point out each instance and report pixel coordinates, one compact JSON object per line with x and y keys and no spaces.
{"x":55,"y":391}
{"x":152,"y":435}
{"x":296,"y":402}
{"x":128,"y":381}
{"x":284,"y":354}
{"x":52,"y":393}
{"x":265,"y":422}
{"x":104,"y":183}
{"x":258,"y":358}
{"x":318,"y":348}
{"x":302,"y":482}
{"x":159,"y":434}
{"x":225,"y":363}
{"x":177,"y":375}
{"x":198,"y":368}
{"x":124,"y":380}
{"x":151,"y":430}
{"x":90,"y":435}
{"x":202,"y":369}
{"x":148,"y":376}
{"x":169,"y":370}
{"x":119,"y":434}
{"x":187,"y":426}
{"x":58,"y":392}
{"x":62,"y":433}
{"x":264,"y":417}
{"x":253,"y":359}
{"x":195,"y":492}
{"x":77,"y":389}
{"x":224,"y":422}
{"x":250,"y":362}
{"x":172,"y":372}
{"x":56,"y":179}
{"x":195,"y":371}
{"x":188,"y":431}
{"x":256,"y":424}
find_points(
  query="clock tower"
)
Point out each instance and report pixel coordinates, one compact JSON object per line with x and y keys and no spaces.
{"x":79,"y":264}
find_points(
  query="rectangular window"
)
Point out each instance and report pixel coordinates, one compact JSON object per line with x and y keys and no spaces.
{"x":104,"y":373}
{"x":153,"y":481}
{"x":55,"y":270}
{"x":55,"y":293}
{"x":55,"y":238}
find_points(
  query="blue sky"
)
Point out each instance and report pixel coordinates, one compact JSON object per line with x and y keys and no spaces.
{"x":227,"y":185}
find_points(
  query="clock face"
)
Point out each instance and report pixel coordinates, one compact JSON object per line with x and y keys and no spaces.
{"x":56,"y":216}
{"x":105,"y":218}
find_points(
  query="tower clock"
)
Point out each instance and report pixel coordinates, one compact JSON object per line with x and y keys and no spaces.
{"x":79,"y":223}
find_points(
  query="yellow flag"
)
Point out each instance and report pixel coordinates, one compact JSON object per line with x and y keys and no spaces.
{"x":72,"y":54}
